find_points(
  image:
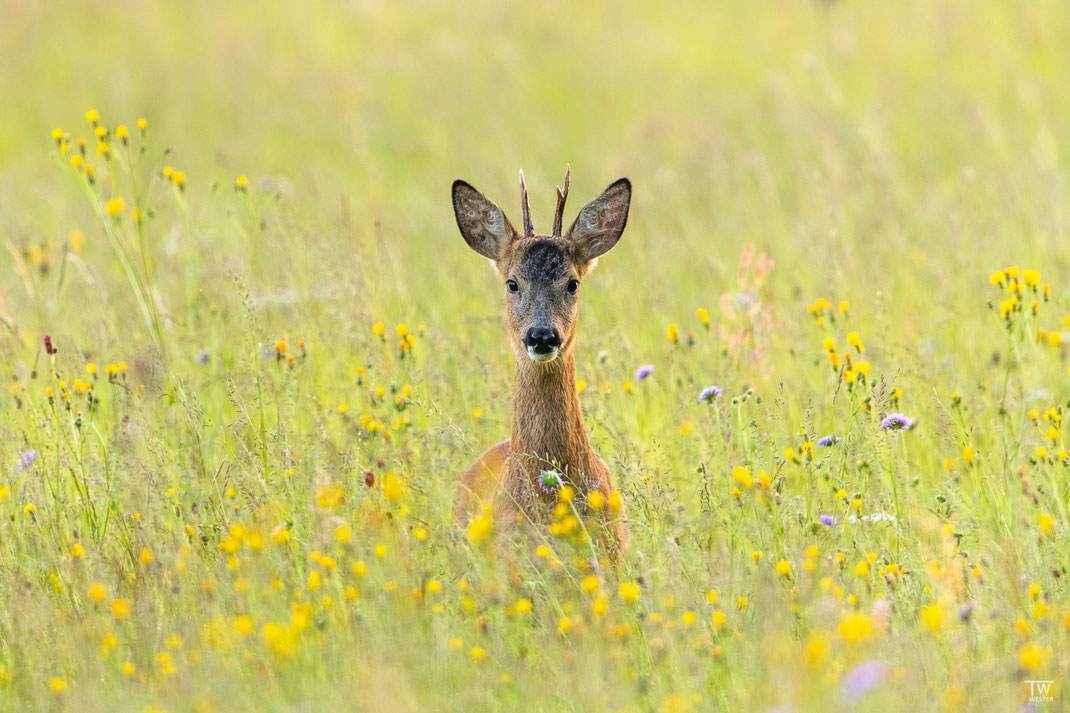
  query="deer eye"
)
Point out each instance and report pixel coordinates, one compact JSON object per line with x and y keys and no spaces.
{"x":513,"y":287}
{"x":573,"y":285}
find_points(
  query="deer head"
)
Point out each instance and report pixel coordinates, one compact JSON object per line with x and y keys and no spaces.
{"x":542,"y":273}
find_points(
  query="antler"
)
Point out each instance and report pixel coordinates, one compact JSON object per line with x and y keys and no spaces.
{"x":529,"y":229}
{"x":562,"y":196}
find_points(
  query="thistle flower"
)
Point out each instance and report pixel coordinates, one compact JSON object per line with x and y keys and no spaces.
{"x":829,"y":440}
{"x":827,"y":520}
{"x":27,"y":460}
{"x":550,"y":481}
{"x":709,"y":394}
{"x":49,"y":349}
{"x":897,"y":422}
{"x":644,"y":371}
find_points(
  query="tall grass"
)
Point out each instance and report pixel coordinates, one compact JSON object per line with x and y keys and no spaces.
{"x":230,"y":487}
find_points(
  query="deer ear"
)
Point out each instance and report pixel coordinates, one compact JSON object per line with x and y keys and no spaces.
{"x":483,"y":224}
{"x":599,"y":225}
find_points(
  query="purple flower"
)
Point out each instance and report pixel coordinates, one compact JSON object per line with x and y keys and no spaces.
{"x":27,"y":460}
{"x":710,"y":394}
{"x":644,"y":371}
{"x":863,"y":678}
{"x":829,"y":440}
{"x":897,"y":422}
{"x":827,"y":520}
{"x":550,"y":481}
{"x":49,"y":349}
{"x":202,"y":357}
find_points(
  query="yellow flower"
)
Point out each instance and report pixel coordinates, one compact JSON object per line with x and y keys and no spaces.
{"x":629,"y":592}
{"x":378,"y":329}
{"x":241,"y":181}
{"x":789,"y":454}
{"x":29,"y":509}
{"x":342,"y":408}
{"x":115,"y":206}
{"x":97,"y":592}
{"x":1046,"y":522}
{"x":523,"y":606}
{"x":57,"y":684}
{"x":478,"y":653}
{"x":829,"y":343}
{"x":178,"y":178}
{"x":932,"y":617}
{"x":673,"y":332}
{"x":122,"y":132}
{"x":146,"y":556}
{"x":968,"y":454}
{"x":1054,"y":339}
{"x":742,"y":476}
{"x":850,"y":376}
{"x":580,"y":385}
{"x":1031,"y":278}
{"x":120,"y":607}
{"x":718,"y":618}
{"x":142,"y":124}
{"x":244,"y":624}
{"x":783,"y":568}
{"x":596,"y":500}
{"x":703,"y":315}
{"x":856,"y":627}
{"x":997,"y":278}
{"x":102,"y":149}
{"x":564,"y":624}
{"x":1053,"y":433}
{"x":1034,"y":657}
{"x":862,"y":568}
{"x":92,"y":116}
{"x":844,"y":306}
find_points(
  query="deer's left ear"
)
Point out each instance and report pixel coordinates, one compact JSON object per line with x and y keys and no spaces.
{"x":599,"y":225}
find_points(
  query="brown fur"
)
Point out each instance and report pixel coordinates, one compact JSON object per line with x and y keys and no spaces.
{"x":548,"y":429}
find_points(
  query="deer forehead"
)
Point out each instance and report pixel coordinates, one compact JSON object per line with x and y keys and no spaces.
{"x":542,"y":259}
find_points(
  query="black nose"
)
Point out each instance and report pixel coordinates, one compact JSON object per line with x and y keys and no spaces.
{"x":542,"y":340}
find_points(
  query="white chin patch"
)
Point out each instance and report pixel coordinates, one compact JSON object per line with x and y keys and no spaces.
{"x":541,"y":357}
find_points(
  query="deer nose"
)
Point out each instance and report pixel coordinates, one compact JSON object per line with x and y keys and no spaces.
{"x":542,"y":340}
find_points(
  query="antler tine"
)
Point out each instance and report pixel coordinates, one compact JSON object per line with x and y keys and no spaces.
{"x":562,"y":196}
{"x":529,"y":229}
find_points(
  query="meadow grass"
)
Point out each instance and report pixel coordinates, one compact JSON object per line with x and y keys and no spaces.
{"x":230,"y":487}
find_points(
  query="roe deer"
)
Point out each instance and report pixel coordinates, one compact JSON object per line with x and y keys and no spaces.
{"x":542,"y":276}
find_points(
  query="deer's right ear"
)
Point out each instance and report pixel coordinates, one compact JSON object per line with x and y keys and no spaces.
{"x":483,"y":224}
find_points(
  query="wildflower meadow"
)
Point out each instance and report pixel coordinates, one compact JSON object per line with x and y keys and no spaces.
{"x":247,"y":357}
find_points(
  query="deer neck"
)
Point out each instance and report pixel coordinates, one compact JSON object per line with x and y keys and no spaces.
{"x":548,"y":430}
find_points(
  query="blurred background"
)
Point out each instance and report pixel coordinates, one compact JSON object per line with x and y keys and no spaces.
{"x":897,"y":151}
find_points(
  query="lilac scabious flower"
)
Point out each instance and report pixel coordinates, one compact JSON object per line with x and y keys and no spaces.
{"x":550,"y":481}
{"x":710,"y":394}
{"x":897,"y":422}
{"x":827,"y":520}
{"x":863,"y":678}
{"x":27,"y":460}
{"x":644,"y":371}
{"x":829,"y":440}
